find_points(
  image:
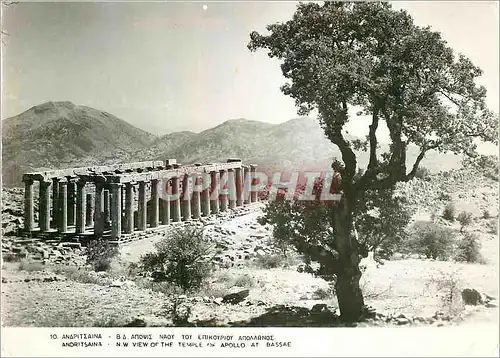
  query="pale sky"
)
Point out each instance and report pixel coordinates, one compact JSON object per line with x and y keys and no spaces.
{"x":168,"y":67}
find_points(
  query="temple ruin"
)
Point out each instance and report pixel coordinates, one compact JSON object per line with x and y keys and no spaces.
{"x":116,"y":201}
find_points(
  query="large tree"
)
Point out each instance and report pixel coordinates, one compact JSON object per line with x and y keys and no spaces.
{"x":366,"y":56}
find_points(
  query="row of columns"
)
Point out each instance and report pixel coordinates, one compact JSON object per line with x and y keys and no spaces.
{"x":73,"y":206}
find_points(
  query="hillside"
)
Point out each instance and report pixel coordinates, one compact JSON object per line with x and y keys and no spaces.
{"x":62,"y":134}
{"x":297,"y":143}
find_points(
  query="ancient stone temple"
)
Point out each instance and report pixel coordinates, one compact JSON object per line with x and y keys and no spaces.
{"x":118,"y":200}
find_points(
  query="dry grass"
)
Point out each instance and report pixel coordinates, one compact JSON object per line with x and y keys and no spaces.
{"x":449,"y":289}
{"x":245,"y":281}
{"x":79,"y":274}
{"x":30,"y":266}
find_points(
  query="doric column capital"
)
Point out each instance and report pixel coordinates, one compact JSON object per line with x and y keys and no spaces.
{"x":28,"y":179}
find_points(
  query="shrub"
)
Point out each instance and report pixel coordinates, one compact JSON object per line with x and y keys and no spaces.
{"x":183,"y":258}
{"x":486,"y":214}
{"x":11,"y":257}
{"x":431,"y":239}
{"x":270,"y":261}
{"x":100,"y":253}
{"x":179,"y":312}
{"x":492,"y":226}
{"x":449,"y":212}
{"x":422,"y":173}
{"x":448,"y":286}
{"x":469,"y":249}
{"x":444,"y":197}
{"x":465,"y":219}
{"x":244,"y":281}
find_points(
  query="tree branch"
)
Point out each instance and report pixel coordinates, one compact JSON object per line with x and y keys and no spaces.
{"x":327,"y":258}
{"x":373,"y":141}
{"x":348,"y":156}
{"x":372,"y":169}
{"x":420,"y":156}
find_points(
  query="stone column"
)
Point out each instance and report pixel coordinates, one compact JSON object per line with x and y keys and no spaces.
{"x":253,"y":193}
{"x":44,"y":206}
{"x":223,"y":197}
{"x":142,"y":209}
{"x":107,"y":213}
{"x":116,"y":212}
{"x":239,"y":186}
{"x":155,"y":201}
{"x":81,"y":205}
{"x":205,"y":194}
{"x":246,"y":185}
{"x":186,"y":201}
{"x":98,"y":212}
{"x":165,"y":204}
{"x":122,"y":203}
{"x":231,"y":184}
{"x":129,"y":208}
{"x":71,"y":202}
{"x":176,"y":203}
{"x":214,"y":189}
{"x":196,"y":202}
{"x":29,"y":221}
{"x":55,"y":202}
{"x":62,"y":217}
{"x":89,"y":218}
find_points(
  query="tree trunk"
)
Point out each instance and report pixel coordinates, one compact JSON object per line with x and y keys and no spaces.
{"x":349,"y":295}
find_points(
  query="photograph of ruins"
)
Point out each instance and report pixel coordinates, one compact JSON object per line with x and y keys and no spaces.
{"x":250,"y":164}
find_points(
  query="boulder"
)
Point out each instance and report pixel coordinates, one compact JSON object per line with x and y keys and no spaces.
{"x":472,"y":297}
{"x":236,"y":297}
{"x":318,"y":308}
{"x":136,"y":322}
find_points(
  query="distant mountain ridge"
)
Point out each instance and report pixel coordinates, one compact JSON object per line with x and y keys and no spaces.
{"x":62,"y":134}
{"x":59,"y":134}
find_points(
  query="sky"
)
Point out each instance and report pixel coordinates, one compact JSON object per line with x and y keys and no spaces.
{"x":175,"y":66}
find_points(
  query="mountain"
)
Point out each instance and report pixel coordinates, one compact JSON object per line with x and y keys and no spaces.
{"x":299,"y":143}
{"x":62,"y":134}
{"x":233,"y":138}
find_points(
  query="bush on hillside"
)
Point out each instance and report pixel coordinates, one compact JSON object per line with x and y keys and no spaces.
{"x":423,"y":173}
{"x":469,"y":249}
{"x":492,"y":226}
{"x":486,"y":214}
{"x":449,"y":212}
{"x":431,"y":240}
{"x":183,"y":258}
{"x":100,"y":253}
{"x":465,"y":219}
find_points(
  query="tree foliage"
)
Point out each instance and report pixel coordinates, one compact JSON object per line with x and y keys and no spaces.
{"x":364,"y":57}
{"x":381,"y":221}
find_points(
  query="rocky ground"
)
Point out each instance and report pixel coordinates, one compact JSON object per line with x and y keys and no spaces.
{"x":51,"y":287}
